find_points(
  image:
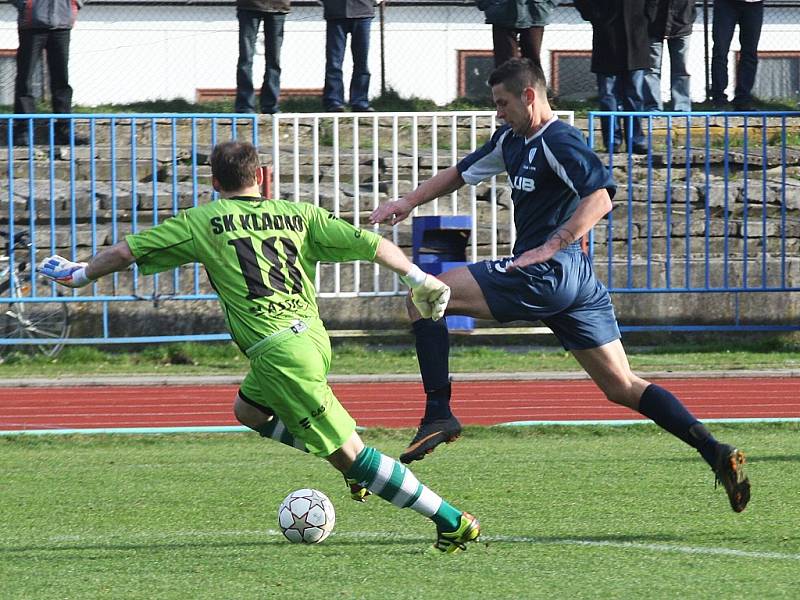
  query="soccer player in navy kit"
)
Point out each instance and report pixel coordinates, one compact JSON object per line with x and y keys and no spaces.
{"x":560,"y":190}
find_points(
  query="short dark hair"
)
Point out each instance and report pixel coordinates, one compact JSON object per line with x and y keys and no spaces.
{"x":519,"y":73}
{"x":234,"y":164}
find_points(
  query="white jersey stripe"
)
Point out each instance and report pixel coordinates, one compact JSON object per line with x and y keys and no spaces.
{"x":488,"y":165}
{"x":558,"y":168}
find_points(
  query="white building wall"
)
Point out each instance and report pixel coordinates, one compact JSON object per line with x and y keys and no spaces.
{"x":124,"y":54}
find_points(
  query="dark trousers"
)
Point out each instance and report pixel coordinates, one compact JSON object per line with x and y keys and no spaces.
{"x":337,"y":31}
{"x":509,"y":43}
{"x":749,"y":16}
{"x":249,"y":22}
{"x":29,"y":55}
{"x":621,"y":91}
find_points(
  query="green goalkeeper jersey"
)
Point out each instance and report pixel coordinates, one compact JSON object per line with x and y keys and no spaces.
{"x":260,"y":256}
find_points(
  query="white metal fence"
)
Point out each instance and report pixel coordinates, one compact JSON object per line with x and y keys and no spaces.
{"x":350,"y":163}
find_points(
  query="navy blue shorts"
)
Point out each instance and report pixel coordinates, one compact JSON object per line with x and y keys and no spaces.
{"x":563,"y":293}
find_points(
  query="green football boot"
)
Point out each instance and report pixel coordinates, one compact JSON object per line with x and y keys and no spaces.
{"x":357,"y":491}
{"x":456,"y":541}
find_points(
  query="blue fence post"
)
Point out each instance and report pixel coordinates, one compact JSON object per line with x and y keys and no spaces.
{"x":439,"y":244}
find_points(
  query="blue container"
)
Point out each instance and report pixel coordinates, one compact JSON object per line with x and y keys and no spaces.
{"x":440,"y":244}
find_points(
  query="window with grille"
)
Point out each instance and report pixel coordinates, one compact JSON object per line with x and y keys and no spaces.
{"x":778,"y":76}
{"x":474,"y":68}
{"x":8,"y":74}
{"x":571,"y":76}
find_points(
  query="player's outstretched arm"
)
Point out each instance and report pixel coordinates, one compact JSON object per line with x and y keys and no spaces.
{"x":428,"y":294}
{"x":394,"y":211}
{"x":78,"y":274}
{"x":591,"y":209}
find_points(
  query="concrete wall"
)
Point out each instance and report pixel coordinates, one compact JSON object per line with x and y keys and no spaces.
{"x":650,"y":189}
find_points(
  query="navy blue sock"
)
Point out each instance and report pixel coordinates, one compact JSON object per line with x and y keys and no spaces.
{"x":433,"y":354}
{"x":666,"y":411}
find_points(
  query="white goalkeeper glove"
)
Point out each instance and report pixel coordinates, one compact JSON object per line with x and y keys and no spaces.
{"x":428,"y":294}
{"x":63,"y":271}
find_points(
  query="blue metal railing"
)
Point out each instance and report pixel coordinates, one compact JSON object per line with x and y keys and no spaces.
{"x":72,"y":210}
{"x":763,"y":238}
{"x":733,"y":179}
{"x":717,"y":223}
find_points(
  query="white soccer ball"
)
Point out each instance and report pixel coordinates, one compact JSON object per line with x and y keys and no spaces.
{"x":306,"y":516}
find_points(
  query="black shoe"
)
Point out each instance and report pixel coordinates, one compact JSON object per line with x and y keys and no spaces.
{"x":63,"y":139}
{"x":729,"y":469}
{"x":429,"y":435}
{"x":719,"y":103}
{"x":639,"y":149}
{"x":21,"y":138}
{"x":335,"y":109}
{"x":363,"y":109}
{"x":743,"y":106}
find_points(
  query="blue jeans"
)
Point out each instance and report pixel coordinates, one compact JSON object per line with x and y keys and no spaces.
{"x":749,"y":16}
{"x":249,"y":22}
{"x":621,"y":91}
{"x":336,"y":42}
{"x":678,"y":75}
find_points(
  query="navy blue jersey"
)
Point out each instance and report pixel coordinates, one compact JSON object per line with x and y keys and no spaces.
{"x":549,"y":173}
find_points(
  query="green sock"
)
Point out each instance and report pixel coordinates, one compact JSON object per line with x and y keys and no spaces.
{"x":392,"y":481}
{"x":276,"y":430}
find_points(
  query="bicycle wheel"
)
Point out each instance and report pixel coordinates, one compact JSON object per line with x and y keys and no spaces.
{"x":34,"y":320}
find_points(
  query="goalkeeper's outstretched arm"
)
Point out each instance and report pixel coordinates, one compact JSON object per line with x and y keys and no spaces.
{"x":78,"y":274}
{"x":429,"y":295}
{"x":115,"y":258}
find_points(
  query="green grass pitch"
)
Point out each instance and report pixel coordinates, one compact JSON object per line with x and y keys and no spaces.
{"x":600,"y":512}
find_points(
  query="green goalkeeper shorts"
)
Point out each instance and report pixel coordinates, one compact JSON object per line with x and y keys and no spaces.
{"x":288,"y":374}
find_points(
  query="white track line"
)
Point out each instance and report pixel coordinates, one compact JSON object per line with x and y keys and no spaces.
{"x":240,"y":428}
{"x":120,"y":539}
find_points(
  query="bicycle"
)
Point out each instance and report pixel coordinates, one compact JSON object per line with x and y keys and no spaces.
{"x":32,"y":320}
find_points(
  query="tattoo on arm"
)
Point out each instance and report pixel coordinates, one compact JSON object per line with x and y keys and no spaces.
{"x":564,"y":237}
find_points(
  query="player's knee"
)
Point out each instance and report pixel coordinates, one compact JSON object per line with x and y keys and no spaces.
{"x":344,"y":458}
{"x":250,"y":416}
{"x":623,"y":391}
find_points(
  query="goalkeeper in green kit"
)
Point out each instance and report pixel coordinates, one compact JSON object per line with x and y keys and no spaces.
{"x":260,"y":256}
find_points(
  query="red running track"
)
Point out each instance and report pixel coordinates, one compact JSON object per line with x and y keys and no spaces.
{"x":386,"y":404}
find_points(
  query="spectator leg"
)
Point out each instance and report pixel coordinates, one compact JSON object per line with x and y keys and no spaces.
{"x":29,"y":59}
{"x":680,"y":81}
{"x":273,"y":40}
{"x":248,"y":29}
{"x":359,"y":46}
{"x":335,"y":43}
{"x":530,"y":43}
{"x":750,"y":20}
{"x":723,"y":24}
{"x":607,"y":98}
{"x":651,"y":92}
{"x":505,"y":44}
{"x":632,"y":83}
{"x":58,"y":64}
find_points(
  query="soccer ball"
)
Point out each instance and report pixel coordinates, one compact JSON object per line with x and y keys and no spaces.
{"x":306,"y":516}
